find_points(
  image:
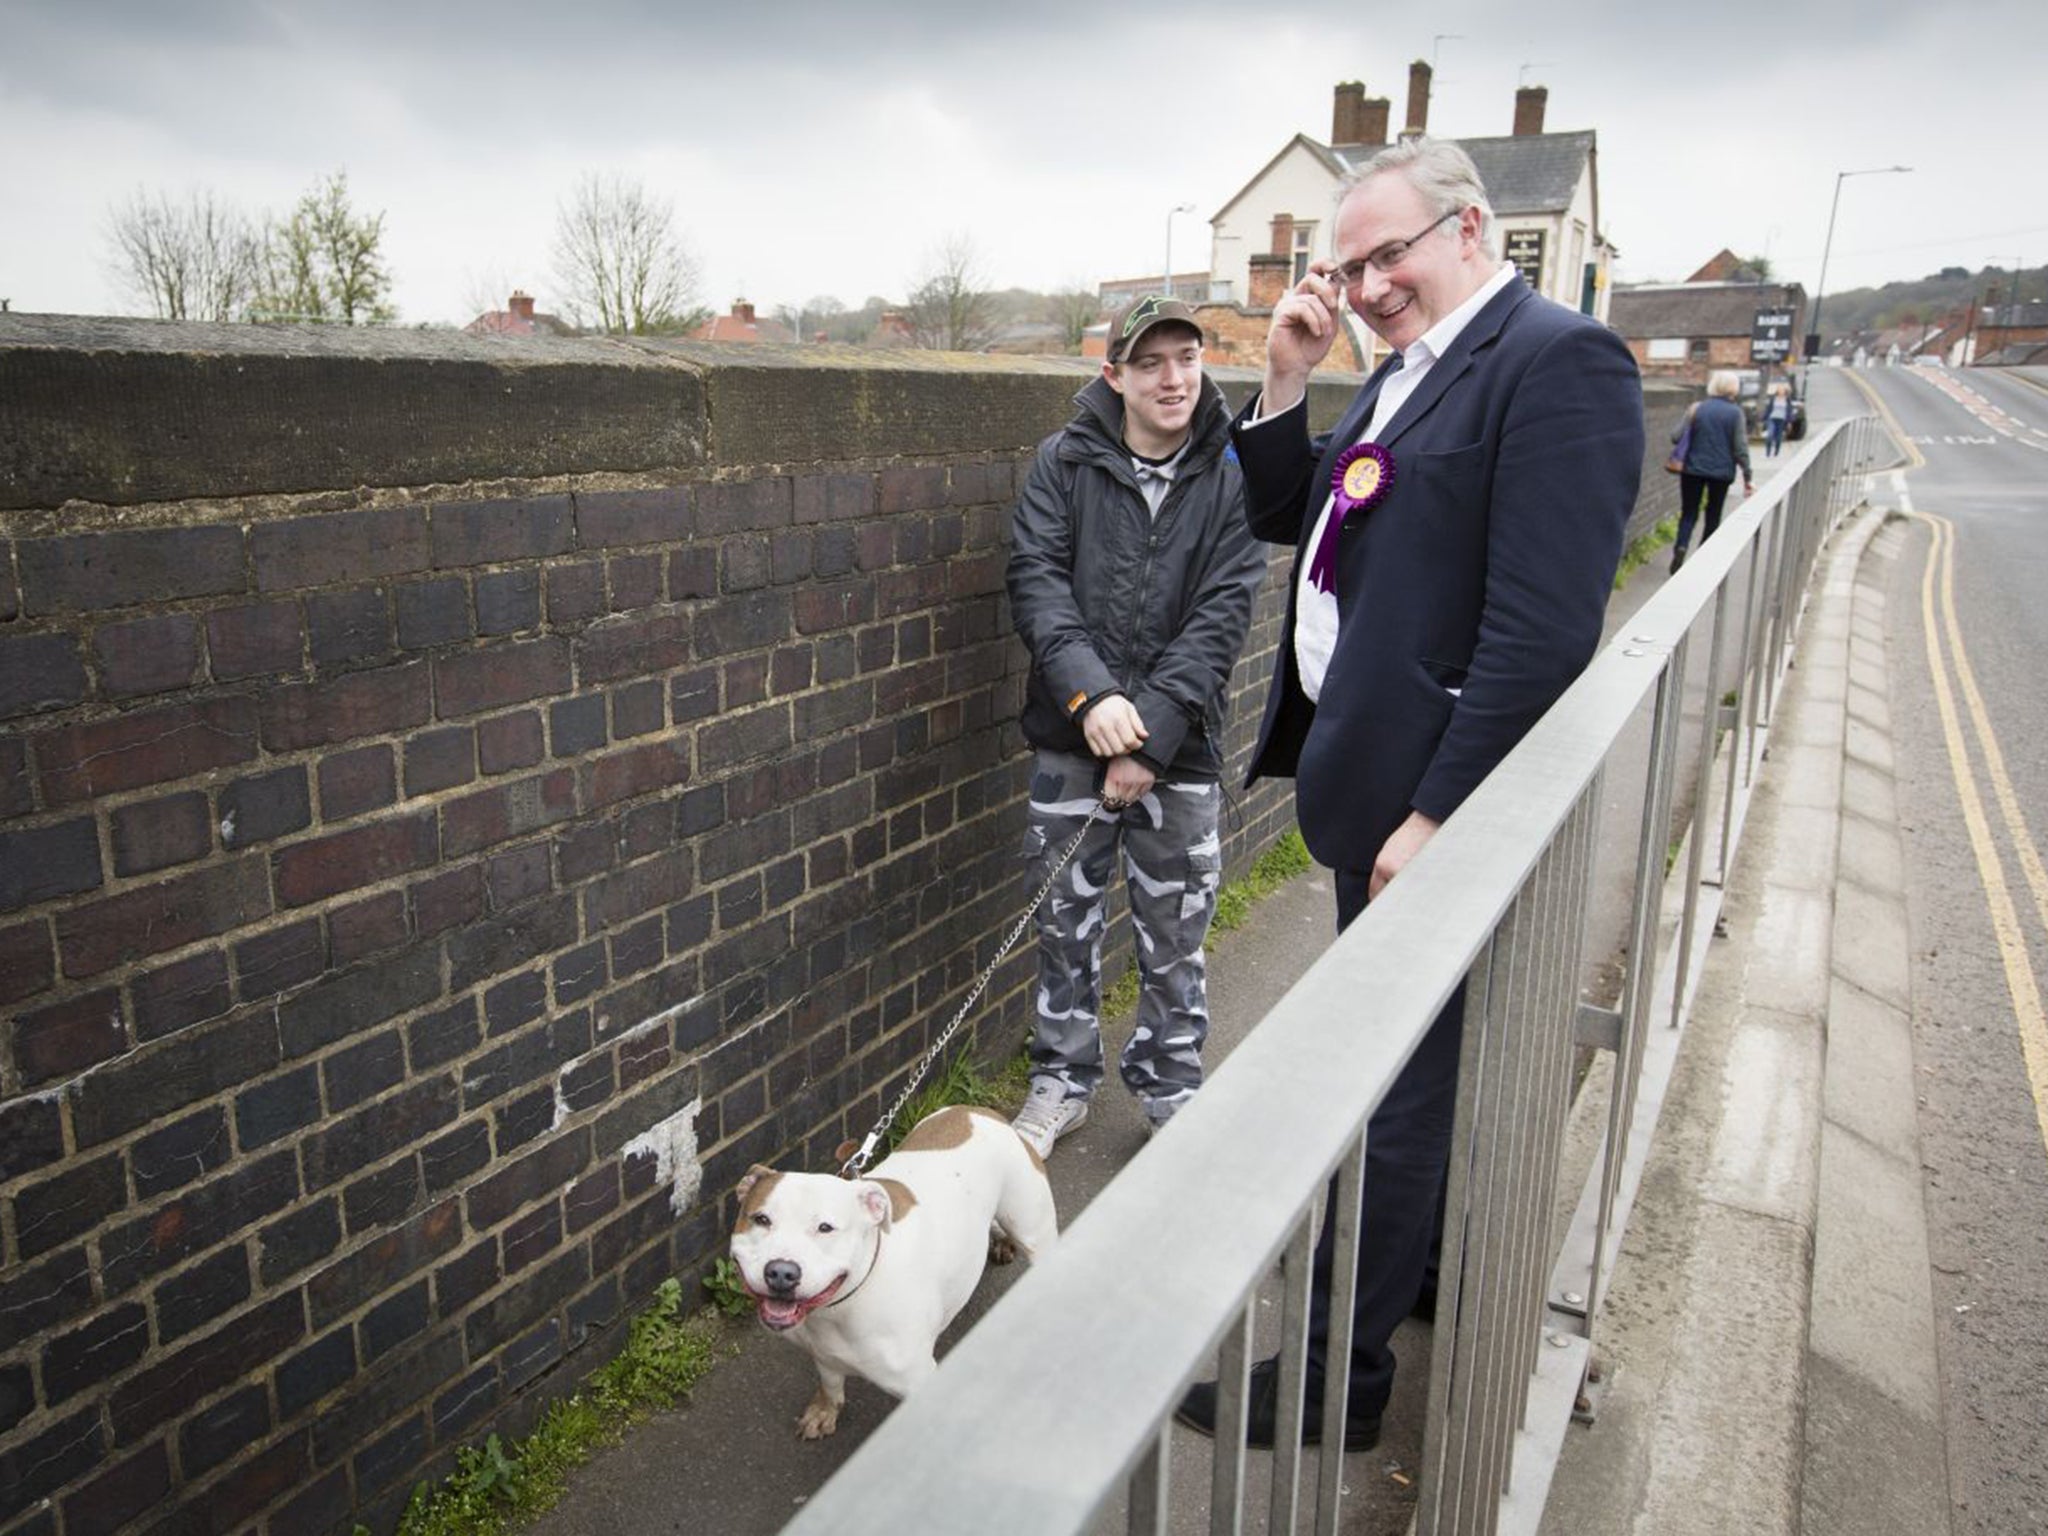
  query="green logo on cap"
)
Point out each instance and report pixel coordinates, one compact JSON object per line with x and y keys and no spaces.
{"x":1145,"y":313}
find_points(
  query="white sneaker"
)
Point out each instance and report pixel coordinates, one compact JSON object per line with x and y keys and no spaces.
{"x":1047,"y":1115}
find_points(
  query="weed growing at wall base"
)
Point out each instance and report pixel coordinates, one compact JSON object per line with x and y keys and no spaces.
{"x":495,"y":1487}
{"x":728,"y":1292}
{"x":1270,"y":870}
{"x":1643,"y":548}
{"x":961,"y":1081}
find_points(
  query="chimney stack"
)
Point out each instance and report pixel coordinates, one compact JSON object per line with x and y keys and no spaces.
{"x":1270,"y":278}
{"x":1529,"y":104}
{"x":521,"y":304}
{"x":742,"y":310}
{"x":1373,"y":113}
{"x":1346,"y":112}
{"x":1283,"y":235}
{"x":1418,"y":98}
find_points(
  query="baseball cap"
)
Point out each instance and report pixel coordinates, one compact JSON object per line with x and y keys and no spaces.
{"x":1130,"y":323}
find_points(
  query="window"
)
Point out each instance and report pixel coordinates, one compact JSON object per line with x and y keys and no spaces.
{"x":1304,"y":248}
{"x":1667,"y":349}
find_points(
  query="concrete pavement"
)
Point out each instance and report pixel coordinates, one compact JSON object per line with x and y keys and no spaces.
{"x":1768,"y":1336}
{"x":1769,"y":1333}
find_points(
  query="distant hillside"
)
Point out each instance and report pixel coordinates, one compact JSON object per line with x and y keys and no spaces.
{"x":1925,"y":300}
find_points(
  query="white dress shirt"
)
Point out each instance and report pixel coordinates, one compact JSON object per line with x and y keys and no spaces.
{"x":1315,"y":611}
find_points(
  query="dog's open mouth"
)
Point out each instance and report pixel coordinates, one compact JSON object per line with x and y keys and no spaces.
{"x":779,"y":1312}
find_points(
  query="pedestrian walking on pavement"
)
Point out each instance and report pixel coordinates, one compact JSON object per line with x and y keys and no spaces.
{"x":1717,"y":444}
{"x":1456,"y":537}
{"x":1132,"y":577}
{"x":1777,"y":417}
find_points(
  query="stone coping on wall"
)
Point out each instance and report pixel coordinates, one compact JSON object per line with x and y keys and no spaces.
{"x":125,"y":413}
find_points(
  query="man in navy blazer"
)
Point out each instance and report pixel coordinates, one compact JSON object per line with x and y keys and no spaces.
{"x":1457,"y":537}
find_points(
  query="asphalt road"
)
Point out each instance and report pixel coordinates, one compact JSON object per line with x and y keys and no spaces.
{"x":1970,"y":720}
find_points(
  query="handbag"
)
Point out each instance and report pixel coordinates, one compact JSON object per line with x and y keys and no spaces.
{"x":1681,"y":445}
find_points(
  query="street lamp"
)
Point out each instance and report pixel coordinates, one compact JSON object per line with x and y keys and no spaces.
{"x":1820,"y":288}
{"x":1176,"y":208}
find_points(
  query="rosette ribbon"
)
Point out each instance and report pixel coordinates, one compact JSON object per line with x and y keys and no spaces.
{"x":1360,"y":482}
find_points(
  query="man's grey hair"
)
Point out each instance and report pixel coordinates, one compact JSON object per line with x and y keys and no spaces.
{"x":1441,"y":172}
{"x":1724,"y":383}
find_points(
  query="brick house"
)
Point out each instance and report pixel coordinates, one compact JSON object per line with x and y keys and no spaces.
{"x":1684,"y":331}
{"x":518,"y":318}
{"x":741,"y":324}
{"x":2008,"y":332}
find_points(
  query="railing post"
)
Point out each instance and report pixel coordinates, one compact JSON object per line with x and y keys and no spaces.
{"x":1702,"y":798}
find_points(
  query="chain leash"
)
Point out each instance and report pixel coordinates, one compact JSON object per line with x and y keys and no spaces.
{"x":853,"y":1167}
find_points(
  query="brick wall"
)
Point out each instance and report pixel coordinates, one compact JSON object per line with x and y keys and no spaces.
{"x":461,"y":802}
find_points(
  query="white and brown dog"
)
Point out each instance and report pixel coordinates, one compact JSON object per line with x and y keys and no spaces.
{"x":866,"y":1273}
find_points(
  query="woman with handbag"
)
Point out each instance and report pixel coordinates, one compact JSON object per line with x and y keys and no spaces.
{"x":1708,"y":447}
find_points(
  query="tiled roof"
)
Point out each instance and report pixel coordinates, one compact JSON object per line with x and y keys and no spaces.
{"x":503,"y":322}
{"x":1531,"y":173}
{"x":1523,"y":173}
{"x":1697,"y":309}
{"x":739,"y":328}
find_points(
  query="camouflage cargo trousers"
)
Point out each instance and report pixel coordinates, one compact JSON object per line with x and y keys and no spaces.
{"x":1172,"y":864}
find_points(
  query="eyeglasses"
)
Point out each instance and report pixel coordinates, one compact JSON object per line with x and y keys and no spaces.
{"x":1388,"y":256}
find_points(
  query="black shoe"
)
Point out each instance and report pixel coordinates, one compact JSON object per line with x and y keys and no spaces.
{"x":1677,"y":559}
{"x":1197,"y":1410}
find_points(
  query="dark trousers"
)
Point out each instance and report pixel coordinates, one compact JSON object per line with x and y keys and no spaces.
{"x":1697,"y":494}
{"x":1408,"y":1146}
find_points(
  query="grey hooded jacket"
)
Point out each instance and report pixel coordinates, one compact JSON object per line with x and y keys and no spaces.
{"x":1109,"y":599}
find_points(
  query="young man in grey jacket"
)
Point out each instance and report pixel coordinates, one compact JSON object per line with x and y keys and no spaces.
{"x":1131,"y":578}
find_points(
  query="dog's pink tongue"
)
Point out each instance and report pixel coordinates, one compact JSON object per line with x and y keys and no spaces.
{"x":781,"y":1314}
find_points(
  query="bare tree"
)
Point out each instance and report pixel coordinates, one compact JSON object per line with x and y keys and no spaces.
{"x":486,"y":290}
{"x":620,"y":263}
{"x":195,"y":260}
{"x":325,"y":262}
{"x":1073,"y":309}
{"x":949,"y":308}
{"x":810,"y":317}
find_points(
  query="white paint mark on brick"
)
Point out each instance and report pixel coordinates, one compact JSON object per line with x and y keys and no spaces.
{"x":660,"y":1020}
{"x":646,"y":1026}
{"x":227,"y":830}
{"x":672,"y":1143}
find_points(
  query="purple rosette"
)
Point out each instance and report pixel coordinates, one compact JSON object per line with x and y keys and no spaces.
{"x":1361,"y":480}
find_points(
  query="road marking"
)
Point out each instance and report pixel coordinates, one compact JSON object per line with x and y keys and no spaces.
{"x":1915,"y":459}
{"x":2005,"y":919}
{"x":1993,"y":416}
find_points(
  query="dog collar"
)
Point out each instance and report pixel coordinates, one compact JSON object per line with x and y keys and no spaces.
{"x":872,"y":1259}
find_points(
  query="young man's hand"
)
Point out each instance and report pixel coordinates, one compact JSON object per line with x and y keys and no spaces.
{"x":1112,"y":726}
{"x":1125,"y":782}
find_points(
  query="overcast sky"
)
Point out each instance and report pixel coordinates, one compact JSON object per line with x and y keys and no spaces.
{"x":829,"y":147}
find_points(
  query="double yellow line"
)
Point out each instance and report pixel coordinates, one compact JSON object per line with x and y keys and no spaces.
{"x":2006,"y":925}
{"x":2006,"y":922}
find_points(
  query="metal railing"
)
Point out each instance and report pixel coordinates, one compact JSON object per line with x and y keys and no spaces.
{"x":1054,"y":1411}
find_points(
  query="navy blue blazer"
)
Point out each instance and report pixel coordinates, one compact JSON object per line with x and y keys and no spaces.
{"x":1471,"y":596}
